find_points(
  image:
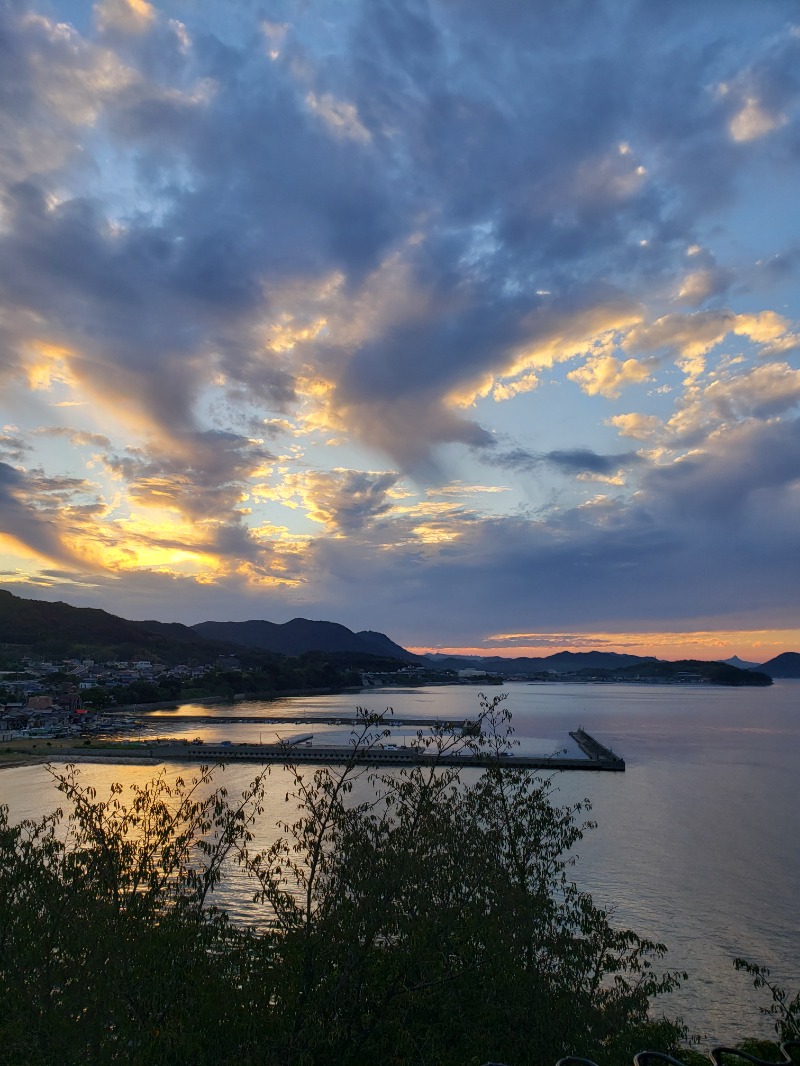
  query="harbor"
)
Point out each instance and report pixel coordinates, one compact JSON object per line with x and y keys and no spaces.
{"x":300,"y":749}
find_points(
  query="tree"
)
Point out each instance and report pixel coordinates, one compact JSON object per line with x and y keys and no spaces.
{"x":410,"y":916}
{"x":423,"y":919}
{"x":109,"y":949}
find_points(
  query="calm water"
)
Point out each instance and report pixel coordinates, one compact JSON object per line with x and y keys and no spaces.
{"x":697,"y":842}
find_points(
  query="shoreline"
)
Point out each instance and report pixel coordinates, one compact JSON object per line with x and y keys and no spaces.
{"x":23,"y":752}
{"x":43,"y":761}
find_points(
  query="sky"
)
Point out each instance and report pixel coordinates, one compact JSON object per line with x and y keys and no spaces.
{"x":474,"y":324}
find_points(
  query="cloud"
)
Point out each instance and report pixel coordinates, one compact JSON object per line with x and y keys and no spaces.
{"x":79,"y":438}
{"x":699,"y":285}
{"x":694,"y":335}
{"x":765,"y":92}
{"x":561,"y":333}
{"x":691,"y":545}
{"x":754,"y":121}
{"x":730,"y":475}
{"x":574,"y":461}
{"x":31,"y":527}
{"x":340,"y":117}
{"x":761,"y":392}
{"x":202,"y":476}
{"x":123,"y":16}
{"x":348,"y":238}
{"x":344,"y":501}
{"x":637,"y":426}
{"x":474,"y":327}
{"x":13,"y":445}
{"x":603,"y":375}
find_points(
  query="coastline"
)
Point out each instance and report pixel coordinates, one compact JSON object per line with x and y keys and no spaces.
{"x":12,"y":763}
{"x":23,"y":752}
{"x":19,"y":752}
{"x":44,"y":760}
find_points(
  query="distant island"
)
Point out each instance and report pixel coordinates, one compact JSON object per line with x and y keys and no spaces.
{"x":785,"y":665}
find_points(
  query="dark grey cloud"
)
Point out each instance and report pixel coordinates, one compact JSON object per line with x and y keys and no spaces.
{"x":569,"y":461}
{"x":27,"y":523}
{"x":13,"y":446}
{"x":627,"y":567}
{"x":724,"y":481}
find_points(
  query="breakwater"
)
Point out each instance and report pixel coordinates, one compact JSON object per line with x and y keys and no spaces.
{"x":314,"y":719}
{"x":596,"y":756}
{"x":596,"y":751}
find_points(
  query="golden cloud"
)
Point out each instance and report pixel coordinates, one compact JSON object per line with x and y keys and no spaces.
{"x":124,"y":16}
{"x":606,"y":376}
{"x":764,"y":391}
{"x":694,"y":335}
{"x":566,"y":337}
{"x":48,"y":364}
{"x":636,"y":426}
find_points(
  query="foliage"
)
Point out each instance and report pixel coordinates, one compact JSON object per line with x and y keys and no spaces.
{"x":109,"y":949}
{"x":410,"y":916}
{"x":428,"y":902}
{"x":273,"y":675}
{"x":784,"y":1010}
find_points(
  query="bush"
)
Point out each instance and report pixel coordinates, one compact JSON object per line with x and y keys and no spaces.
{"x":784,"y":1009}
{"x":410,"y":917}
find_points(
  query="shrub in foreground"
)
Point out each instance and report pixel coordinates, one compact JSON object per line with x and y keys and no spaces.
{"x":411,"y":916}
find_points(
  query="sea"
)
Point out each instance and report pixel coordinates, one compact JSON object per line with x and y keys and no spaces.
{"x":697,"y":843}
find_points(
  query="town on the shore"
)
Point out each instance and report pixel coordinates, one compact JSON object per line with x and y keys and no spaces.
{"x":74,"y":697}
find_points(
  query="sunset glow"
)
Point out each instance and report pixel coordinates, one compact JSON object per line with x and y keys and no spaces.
{"x":475,"y":326}
{"x":751,"y":647}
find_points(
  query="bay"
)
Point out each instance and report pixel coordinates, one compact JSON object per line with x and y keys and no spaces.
{"x":696,"y":843}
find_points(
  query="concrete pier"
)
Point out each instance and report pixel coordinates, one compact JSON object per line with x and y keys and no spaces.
{"x":597,"y":757}
{"x":293,"y":719}
{"x":596,"y":751}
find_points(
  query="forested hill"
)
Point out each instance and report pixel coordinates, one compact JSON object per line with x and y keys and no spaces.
{"x":560,"y":662}
{"x":303,"y":635}
{"x":59,"y":630}
{"x":785,"y":665}
{"x":609,"y":666}
{"x":716,"y":673}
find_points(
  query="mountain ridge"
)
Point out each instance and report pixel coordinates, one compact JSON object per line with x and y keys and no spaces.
{"x":559,"y":662}
{"x":301,"y":635}
{"x":53,"y":625}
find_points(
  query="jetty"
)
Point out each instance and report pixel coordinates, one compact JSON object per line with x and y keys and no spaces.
{"x":596,"y":751}
{"x":596,"y":757}
{"x":152,"y":717}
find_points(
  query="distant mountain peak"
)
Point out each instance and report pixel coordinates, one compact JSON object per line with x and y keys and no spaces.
{"x":740,"y":663}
